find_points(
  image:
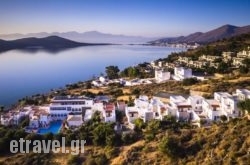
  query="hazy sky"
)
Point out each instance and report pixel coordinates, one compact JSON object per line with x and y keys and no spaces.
{"x":130,"y":17}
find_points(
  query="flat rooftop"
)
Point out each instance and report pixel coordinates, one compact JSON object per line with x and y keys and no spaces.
{"x":213,"y":102}
{"x":224,"y":94}
{"x":65,"y":98}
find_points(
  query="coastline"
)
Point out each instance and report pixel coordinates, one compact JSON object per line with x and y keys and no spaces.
{"x":61,"y":87}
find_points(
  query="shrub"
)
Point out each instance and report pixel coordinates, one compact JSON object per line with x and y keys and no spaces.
{"x":189,"y":81}
{"x":74,"y":160}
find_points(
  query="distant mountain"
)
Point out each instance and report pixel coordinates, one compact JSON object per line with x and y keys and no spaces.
{"x":49,"y":43}
{"x":89,"y":37}
{"x":225,"y":31}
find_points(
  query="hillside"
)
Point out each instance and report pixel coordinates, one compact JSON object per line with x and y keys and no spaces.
{"x":222,"y":144}
{"x":225,"y":31}
{"x":233,"y":44}
{"x":51,"y":42}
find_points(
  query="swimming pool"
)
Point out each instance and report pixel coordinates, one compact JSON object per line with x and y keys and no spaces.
{"x":54,"y":128}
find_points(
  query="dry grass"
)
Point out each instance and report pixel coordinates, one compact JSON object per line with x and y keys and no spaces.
{"x":124,"y":152}
{"x":239,"y":79}
{"x":125,"y":97}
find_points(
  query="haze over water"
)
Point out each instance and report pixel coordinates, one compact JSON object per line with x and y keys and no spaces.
{"x":27,"y":73}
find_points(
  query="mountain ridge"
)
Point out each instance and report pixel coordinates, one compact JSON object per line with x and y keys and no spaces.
{"x":224,"y":31}
{"x":49,"y":43}
{"x":89,"y":37}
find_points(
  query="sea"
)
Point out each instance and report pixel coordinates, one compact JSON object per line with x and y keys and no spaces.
{"x":35,"y":71}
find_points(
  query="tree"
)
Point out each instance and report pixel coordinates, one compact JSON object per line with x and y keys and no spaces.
{"x":223,"y":118}
{"x":130,"y":101}
{"x":152,"y":129}
{"x":112,"y":72}
{"x":136,"y":91}
{"x":104,"y":135}
{"x":24,"y":121}
{"x":189,"y":81}
{"x":131,"y":72}
{"x":139,"y":124}
{"x":245,"y":67}
{"x":170,"y":146}
{"x":74,"y":160}
{"x":244,"y":106}
{"x":223,"y":67}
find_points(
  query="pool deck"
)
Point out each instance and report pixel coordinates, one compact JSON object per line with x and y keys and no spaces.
{"x":55,"y":127}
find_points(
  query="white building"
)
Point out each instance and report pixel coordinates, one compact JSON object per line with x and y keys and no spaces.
{"x":242,"y":94}
{"x":14,"y":116}
{"x":142,"y":104}
{"x":228,"y":104}
{"x":160,"y":64}
{"x":146,"y":110}
{"x":158,"y":108}
{"x":102,"y":98}
{"x":88,"y":114}
{"x":109,"y":112}
{"x":34,"y":122}
{"x":211,"y":109}
{"x":97,"y":83}
{"x":180,"y":107}
{"x":74,"y":120}
{"x":121,"y":106}
{"x":39,"y":117}
{"x":161,"y":76}
{"x":61,"y":106}
{"x":6,"y":119}
{"x":196,"y":103}
{"x":131,"y":114}
{"x":132,"y":82}
{"x":197,"y":113}
{"x":180,"y":73}
{"x":243,"y":54}
{"x":103,"y":79}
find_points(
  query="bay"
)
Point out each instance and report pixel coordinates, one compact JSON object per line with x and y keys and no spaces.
{"x":25,"y":73}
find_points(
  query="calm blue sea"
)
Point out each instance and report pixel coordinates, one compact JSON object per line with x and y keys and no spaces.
{"x":25,"y":73}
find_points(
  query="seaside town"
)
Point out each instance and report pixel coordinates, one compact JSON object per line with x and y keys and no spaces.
{"x":195,"y":109}
{"x":176,"y":108}
{"x":119,"y":82}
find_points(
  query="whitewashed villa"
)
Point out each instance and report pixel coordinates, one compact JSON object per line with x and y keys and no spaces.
{"x":77,"y":110}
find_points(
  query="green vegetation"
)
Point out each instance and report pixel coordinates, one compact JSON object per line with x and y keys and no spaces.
{"x":139,"y":71}
{"x":234,"y":44}
{"x":244,"y":106}
{"x":245,"y":67}
{"x":190,"y":81}
{"x":112,"y":72}
{"x":158,"y":142}
{"x":131,"y":72}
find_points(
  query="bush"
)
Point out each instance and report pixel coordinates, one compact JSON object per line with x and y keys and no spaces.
{"x":111,"y":152}
{"x":74,"y":160}
{"x":189,"y":81}
{"x":128,"y":138}
{"x":101,"y":159}
{"x":170,"y":146}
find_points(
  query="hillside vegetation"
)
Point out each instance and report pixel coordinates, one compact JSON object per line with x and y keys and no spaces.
{"x":222,"y":144}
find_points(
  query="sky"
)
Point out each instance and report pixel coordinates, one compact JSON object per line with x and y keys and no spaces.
{"x":150,"y":18}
